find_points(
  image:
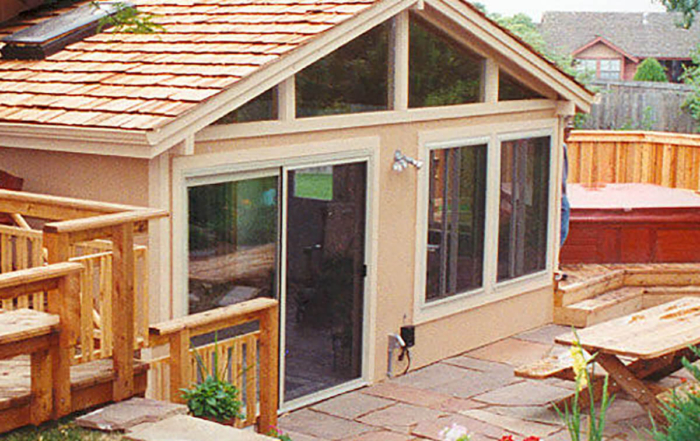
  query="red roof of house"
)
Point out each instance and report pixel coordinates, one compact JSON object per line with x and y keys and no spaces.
{"x":143,"y":81}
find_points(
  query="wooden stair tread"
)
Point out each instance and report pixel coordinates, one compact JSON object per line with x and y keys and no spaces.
{"x":15,"y":378}
{"x":608,"y":299}
{"x":22,"y":324}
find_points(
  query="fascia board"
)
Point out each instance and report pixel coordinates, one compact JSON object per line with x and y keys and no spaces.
{"x":106,"y":142}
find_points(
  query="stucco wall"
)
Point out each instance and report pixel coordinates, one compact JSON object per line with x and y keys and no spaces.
{"x":100,"y":178}
{"x":393,"y":294}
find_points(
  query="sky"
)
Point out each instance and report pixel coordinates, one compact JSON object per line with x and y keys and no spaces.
{"x":534,"y":8}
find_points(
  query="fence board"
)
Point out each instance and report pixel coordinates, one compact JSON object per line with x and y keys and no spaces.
{"x":668,"y":159}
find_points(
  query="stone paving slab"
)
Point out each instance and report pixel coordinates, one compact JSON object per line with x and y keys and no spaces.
{"x":513,"y":351}
{"x":187,"y":428}
{"x":401,"y":417}
{"x":512,"y":424}
{"x":475,"y":383}
{"x":382,"y":435}
{"x":545,"y":334}
{"x":526,"y":393}
{"x":321,"y":425}
{"x":352,"y":405}
{"x":127,"y":414}
{"x":407,"y":394}
{"x":537,"y":414}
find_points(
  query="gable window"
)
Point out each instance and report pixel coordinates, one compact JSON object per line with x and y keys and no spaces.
{"x":587,"y":65}
{"x":524,"y":207}
{"x":352,"y":79}
{"x":261,"y":108}
{"x":510,"y":89}
{"x":610,"y":69}
{"x":456,"y":220}
{"x":441,"y":72}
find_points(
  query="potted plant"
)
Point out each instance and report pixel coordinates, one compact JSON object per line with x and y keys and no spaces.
{"x":214,"y":398}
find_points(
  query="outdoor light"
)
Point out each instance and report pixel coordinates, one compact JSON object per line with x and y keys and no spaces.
{"x":401,"y":162}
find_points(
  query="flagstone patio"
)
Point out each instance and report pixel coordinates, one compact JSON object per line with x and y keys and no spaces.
{"x":476,"y":389}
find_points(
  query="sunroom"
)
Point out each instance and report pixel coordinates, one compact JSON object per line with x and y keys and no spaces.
{"x":396,"y":165}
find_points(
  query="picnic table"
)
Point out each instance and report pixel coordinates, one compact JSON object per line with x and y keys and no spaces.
{"x":656,"y":339}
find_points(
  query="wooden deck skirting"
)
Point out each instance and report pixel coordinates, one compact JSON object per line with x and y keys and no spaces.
{"x":667,"y":159}
{"x":177,"y":334}
{"x":72,"y":223}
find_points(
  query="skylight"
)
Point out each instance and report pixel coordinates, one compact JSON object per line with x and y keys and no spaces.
{"x":50,"y":36}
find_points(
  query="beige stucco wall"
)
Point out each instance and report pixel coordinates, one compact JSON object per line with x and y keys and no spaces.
{"x":396,"y":232}
{"x":100,"y":178}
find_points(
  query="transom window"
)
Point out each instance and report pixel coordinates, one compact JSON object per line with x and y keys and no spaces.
{"x":456,"y":219}
{"x":524,"y":207}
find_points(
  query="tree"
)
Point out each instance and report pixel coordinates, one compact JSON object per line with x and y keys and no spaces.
{"x":686,"y":7}
{"x":651,"y":70}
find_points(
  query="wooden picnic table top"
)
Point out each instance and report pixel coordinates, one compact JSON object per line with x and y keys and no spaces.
{"x":648,"y":334}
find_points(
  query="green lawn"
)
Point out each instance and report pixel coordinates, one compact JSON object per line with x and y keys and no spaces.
{"x":63,"y":430}
{"x":314,"y":186}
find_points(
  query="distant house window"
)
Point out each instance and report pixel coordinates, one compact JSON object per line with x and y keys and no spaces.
{"x":456,"y":219}
{"x":441,"y":72}
{"x":352,"y":79}
{"x":587,"y":65}
{"x":524,"y":207}
{"x":610,"y":69}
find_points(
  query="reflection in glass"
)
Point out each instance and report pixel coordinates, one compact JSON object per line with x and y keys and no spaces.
{"x":510,"y":89}
{"x":441,"y":73}
{"x":456,"y":216}
{"x":232,"y":242}
{"x":261,"y":108}
{"x":524,"y":207}
{"x":352,"y":79}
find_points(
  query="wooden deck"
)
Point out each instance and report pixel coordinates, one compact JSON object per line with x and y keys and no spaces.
{"x":90,"y":384}
{"x":593,"y":293}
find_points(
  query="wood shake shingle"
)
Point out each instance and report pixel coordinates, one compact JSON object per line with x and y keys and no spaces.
{"x":144,"y":81}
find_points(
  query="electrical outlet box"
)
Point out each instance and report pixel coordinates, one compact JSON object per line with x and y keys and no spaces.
{"x":408,"y":334}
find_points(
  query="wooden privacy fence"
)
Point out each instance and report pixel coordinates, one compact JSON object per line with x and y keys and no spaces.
{"x":667,"y":159}
{"x":249,"y":361}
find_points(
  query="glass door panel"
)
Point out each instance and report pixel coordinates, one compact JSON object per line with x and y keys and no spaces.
{"x":324,"y":300}
{"x":233,"y":236}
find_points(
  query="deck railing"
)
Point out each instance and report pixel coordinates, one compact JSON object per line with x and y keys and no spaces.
{"x":248,"y":360}
{"x":71,"y":224}
{"x":667,"y":159}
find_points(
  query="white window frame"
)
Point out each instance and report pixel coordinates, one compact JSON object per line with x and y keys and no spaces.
{"x":491,"y":291}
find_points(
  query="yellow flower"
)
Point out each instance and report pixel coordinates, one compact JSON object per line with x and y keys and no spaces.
{"x":579,"y":366}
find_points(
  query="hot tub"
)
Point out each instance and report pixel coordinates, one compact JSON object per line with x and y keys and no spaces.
{"x":632,"y":223}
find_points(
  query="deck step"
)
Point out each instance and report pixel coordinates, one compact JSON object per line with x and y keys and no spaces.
{"x":603,"y":307}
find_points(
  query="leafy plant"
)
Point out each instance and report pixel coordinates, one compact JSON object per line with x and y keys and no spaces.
{"x":572,"y":416}
{"x":682,"y":412}
{"x":214,"y":397}
{"x":275,"y":432}
{"x":651,"y":70}
{"x":455,"y":432}
{"x":129,"y":20}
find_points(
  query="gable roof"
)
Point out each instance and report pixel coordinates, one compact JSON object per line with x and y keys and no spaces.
{"x":140,"y":86}
{"x":639,"y":34}
{"x":605,"y":42}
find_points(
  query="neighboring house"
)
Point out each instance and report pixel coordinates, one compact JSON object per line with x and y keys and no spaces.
{"x":612,"y":44}
{"x":275,"y":132}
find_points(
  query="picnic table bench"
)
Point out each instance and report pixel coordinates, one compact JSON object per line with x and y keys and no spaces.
{"x":644,"y":345}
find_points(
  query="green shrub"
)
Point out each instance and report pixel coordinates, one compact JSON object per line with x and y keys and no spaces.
{"x":651,"y":70}
{"x":682,"y":413}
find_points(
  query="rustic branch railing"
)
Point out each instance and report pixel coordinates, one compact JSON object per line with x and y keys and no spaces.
{"x":667,"y":159}
{"x":83,"y":221}
{"x":50,"y":376}
{"x":242,"y":354}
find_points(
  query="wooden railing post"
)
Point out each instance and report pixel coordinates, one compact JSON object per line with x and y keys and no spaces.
{"x":123,"y":310}
{"x":67,"y":306}
{"x":269,"y":368}
{"x":180,"y":374}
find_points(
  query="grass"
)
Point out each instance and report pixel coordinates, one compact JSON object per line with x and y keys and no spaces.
{"x":62,"y":430}
{"x":314,"y":186}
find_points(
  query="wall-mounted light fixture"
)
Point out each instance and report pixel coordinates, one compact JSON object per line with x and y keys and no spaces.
{"x":401,"y":162}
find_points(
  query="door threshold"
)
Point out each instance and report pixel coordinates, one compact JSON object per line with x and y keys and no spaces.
{"x":323,"y":395}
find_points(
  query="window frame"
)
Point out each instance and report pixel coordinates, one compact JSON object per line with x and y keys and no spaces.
{"x":491,"y":291}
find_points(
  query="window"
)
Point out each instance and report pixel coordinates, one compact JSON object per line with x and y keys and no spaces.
{"x":441,"y":72}
{"x":261,"y":108}
{"x":510,"y":89}
{"x":610,"y":69}
{"x":587,"y":65}
{"x":524,"y":207}
{"x":456,"y":219}
{"x":352,"y":79}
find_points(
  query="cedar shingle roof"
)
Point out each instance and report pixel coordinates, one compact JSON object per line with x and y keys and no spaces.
{"x":640,"y":34}
{"x":143,"y":81}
